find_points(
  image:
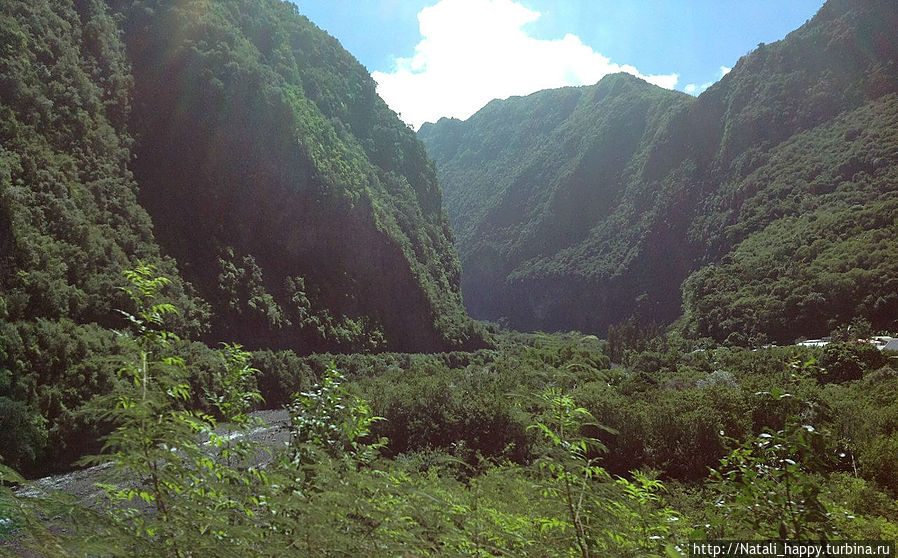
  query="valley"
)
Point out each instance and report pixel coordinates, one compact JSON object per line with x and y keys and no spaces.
{"x":245,"y":309}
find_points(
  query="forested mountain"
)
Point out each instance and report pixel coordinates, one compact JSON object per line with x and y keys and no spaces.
{"x":530,"y":179}
{"x":761,"y":208}
{"x":178,"y":178}
{"x":291,"y":197}
{"x":297,"y":203}
{"x":236,"y":148}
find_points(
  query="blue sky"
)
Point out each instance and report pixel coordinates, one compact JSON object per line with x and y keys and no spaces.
{"x":434,"y":58}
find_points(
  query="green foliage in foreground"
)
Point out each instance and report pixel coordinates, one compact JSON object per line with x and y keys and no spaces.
{"x":184,"y":482}
{"x":180,"y":488}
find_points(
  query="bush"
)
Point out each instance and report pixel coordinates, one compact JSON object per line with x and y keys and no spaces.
{"x":878,"y":461}
{"x":23,"y":435}
{"x":845,"y":362}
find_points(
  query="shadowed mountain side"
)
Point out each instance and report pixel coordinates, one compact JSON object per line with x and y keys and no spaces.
{"x":284,"y":203}
{"x":297,"y":202}
{"x":581,"y":207}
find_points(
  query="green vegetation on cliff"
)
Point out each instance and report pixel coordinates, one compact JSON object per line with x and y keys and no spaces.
{"x":815,"y":239}
{"x":530,"y":180}
{"x":69,"y":223}
{"x":795,"y":147}
{"x":287,"y":205}
{"x":297,"y":202}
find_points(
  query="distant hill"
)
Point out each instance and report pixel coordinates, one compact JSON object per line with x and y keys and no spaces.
{"x":761,"y":208}
{"x":239,"y":149}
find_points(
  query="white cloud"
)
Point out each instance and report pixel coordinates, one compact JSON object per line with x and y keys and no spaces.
{"x":694,"y":89}
{"x":473,"y":51}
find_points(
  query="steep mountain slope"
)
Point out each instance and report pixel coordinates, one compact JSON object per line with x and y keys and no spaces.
{"x":69,"y":223}
{"x":297,"y":202}
{"x":734,"y":166}
{"x":529,"y":177}
{"x":298,"y":209}
{"x":70,"y":219}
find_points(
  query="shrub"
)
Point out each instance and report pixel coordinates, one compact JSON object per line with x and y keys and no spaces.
{"x":844,"y":362}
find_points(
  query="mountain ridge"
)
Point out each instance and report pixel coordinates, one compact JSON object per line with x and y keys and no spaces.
{"x":669,"y":213}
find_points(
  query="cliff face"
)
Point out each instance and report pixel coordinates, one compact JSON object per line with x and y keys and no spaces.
{"x":297,"y":202}
{"x":291,"y":197}
{"x":69,"y":218}
{"x":237,"y":148}
{"x":530,"y":179}
{"x":581,"y":207}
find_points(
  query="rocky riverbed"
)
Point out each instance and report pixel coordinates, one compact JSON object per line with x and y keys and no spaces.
{"x":82,"y":483}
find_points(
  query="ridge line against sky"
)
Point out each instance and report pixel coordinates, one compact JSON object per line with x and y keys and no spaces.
{"x":436,"y":58}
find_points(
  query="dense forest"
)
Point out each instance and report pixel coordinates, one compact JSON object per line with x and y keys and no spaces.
{"x":538,"y":447}
{"x":235,"y":146}
{"x":207,"y":211}
{"x":298,"y":205}
{"x":761,"y":209}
